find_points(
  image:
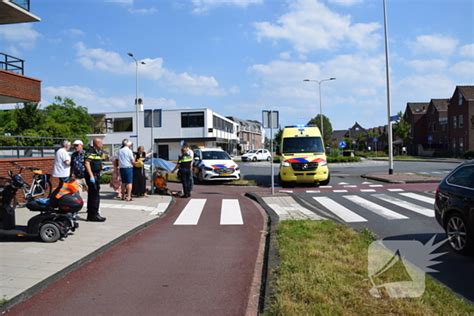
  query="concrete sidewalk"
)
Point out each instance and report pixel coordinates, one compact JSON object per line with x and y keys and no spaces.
{"x":28,"y":265}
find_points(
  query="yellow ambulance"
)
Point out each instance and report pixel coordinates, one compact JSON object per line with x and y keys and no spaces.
{"x":302,"y":156}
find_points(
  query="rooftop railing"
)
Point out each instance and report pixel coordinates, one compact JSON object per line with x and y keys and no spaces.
{"x":11,"y":63}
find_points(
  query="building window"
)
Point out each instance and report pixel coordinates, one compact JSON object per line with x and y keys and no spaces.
{"x":461,"y":144}
{"x":123,"y":124}
{"x":156,"y":118}
{"x":460,"y":99}
{"x":147,"y":118}
{"x":222,"y":125}
{"x":192,"y":119}
{"x":454,"y":144}
{"x":461,"y":121}
{"x":455,"y":122}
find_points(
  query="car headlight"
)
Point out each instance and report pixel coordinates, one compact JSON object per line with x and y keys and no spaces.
{"x":323,"y":163}
{"x":285,"y":164}
{"x":237,"y":168}
{"x":208,"y":168}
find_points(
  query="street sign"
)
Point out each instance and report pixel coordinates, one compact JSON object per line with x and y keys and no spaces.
{"x":342,"y":144}
{"x":376,"y":139}
{"x":132,"y":136}
{"x":394,"y":118}
{"x":270,"y":119}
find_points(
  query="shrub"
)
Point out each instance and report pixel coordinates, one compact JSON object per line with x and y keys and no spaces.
{"x":105,"y":179}
{"x":469,"y":154}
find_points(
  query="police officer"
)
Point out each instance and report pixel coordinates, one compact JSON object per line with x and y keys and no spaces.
{"x":184,"y":165}
{"x":93,"y":164}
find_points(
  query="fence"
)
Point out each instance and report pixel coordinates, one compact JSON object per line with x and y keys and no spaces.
{"x":29,"y":146}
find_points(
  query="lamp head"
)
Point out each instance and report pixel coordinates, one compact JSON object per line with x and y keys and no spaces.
{"x":130,"y":54}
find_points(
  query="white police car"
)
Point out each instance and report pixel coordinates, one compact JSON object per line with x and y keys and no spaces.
{"x":214,"y":164}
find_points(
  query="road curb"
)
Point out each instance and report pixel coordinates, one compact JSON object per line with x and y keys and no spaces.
{"x":25,"y":295}
{"x":399,"y":181}
{"x":271,"y":260}
{"x":422,"y":160}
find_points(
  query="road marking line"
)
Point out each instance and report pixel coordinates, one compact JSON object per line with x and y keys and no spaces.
{"x":437,"y":172}
{"x":286,"y":191}
{"x":313,"y":191}
{"x":376,"y":185}
{"x":350,"y":186}
{"x":342,"y":183}
{"x":368,"y":190}
{"x":419,"y":197}
{"x":342,"y":212}
{"x":375,"y":208}
{"x":366,"y":182}
{"x":339,"y":191}
{"x":409,"y":173}
{"x":395,"y":190}
{"x":423,"y":172}
{"x":407,"y":205}
{"x":326,"y":187}
{"x":230,"y":212}
{"x":191,"y":213}
{"x":159,"y":209}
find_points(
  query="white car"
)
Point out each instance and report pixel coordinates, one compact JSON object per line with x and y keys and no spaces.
{"x":212,"y":164}
{"x":256,"y":155}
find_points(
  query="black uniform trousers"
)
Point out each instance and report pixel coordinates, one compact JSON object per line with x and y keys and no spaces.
{"x":93,"y":195}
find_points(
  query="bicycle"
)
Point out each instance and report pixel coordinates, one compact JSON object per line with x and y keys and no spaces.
{"x":40,"y":185}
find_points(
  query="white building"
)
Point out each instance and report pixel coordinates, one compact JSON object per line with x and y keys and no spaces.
{"x":197,"y":127}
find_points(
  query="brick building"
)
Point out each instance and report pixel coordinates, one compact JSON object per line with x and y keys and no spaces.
{"x":415,"y":116}
{"x":436,"y":120}
{"x":461,"y":120}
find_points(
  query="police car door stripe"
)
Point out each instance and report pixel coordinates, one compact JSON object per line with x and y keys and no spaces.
{"x":341,"y":212}
{"x":191,"y":213}
{"x":230,"y":212}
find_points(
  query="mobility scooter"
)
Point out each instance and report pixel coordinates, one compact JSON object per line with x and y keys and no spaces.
{"x":57,"y":214}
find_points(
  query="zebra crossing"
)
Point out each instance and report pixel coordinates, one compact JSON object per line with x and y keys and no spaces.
{"x":230,"y":213}
{"x":152,"y":211}
{"x":395,"y":205}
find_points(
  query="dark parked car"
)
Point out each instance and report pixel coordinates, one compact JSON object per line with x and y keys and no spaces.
{"x":454,"y":207}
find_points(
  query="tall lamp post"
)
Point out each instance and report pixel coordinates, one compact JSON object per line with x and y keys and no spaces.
{"x":320,"y":100}
{"x":387,"y":73}
{"x":137,"y":101}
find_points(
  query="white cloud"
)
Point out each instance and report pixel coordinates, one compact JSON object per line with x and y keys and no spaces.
{"x":346,"y":3}
{"x":467,"y":50}
{"x":74,"y":32}
{"x":285,"y":55}
{"x":143,"y":11}
{"x":98,"y":58}
{"x":96,"y":102}
{"x":438,"y":44}
{"x":202,"y":6}
{"x":423,"y":88}
{"x":463,"y":69}
{"x":428,"y":65}
{"x":19,"y":36}
{"x":310,"y":26}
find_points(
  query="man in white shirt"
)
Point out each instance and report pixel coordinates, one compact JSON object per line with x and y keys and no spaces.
{"x":62,"y":162}
{"x":126,"y":160}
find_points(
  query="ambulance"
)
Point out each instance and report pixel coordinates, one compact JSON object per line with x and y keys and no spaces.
{"x":302,"y":156}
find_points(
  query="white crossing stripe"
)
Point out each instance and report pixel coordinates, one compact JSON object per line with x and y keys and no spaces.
{"x":342,"y":212}
{"x":286,"y":191}
{"x":366,"y":182}
{"x":313,"y":191}
{"x":326,"y":187}
{"x":419,"y":197}
{"x":339,"y":191}
{"x":376,"y":185}
{"x":342,"y":183}
{"x":368,"y":190}
{"x":230,"y":212}
{"x":161,"y":208}
{"x":423,"y":172}
{"x":437,"y":172}
{"x":395,"y":190}
{"x":350,"y":186}
{"x":375,"y":208}
{"x":407,"y":205}
{"x":191,"y":213}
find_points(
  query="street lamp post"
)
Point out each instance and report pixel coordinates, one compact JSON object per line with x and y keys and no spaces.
{"x":320,"y":100}
{"x":137,"y":103}
{"x":387,"y":72}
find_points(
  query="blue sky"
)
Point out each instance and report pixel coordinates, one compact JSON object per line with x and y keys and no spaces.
{"x":241,"y":56}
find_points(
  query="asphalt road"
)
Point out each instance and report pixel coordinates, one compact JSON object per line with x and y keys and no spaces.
{"x":201,"y":258}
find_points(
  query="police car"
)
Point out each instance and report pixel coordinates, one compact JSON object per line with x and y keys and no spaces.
{"x":214,"y":164}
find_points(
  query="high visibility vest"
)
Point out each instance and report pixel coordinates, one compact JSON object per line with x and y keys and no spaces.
{"x":67,"y":188}
{"x":185,"y":158}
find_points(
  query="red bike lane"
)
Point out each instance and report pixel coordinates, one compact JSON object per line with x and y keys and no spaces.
{"x":199,"y":263}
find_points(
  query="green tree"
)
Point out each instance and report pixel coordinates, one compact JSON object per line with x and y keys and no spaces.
{"x":326,"y":124}
{"x":402,"y":128}
{"x":277,"y":138}
{"x":28,"y":117}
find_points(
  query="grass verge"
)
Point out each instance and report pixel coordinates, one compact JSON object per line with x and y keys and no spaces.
{"x":323,"y":270}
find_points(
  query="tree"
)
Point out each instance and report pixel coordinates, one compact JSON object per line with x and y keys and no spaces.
{"x":327,"y":126}
{"x":402,"y":128}
{"x":277,"y":138}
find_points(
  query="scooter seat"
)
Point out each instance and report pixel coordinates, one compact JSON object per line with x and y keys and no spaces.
{"x":39,"y":205}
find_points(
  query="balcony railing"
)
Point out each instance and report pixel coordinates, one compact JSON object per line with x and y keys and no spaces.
{"x":25,"y":4}
{"x":11,"y":63}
